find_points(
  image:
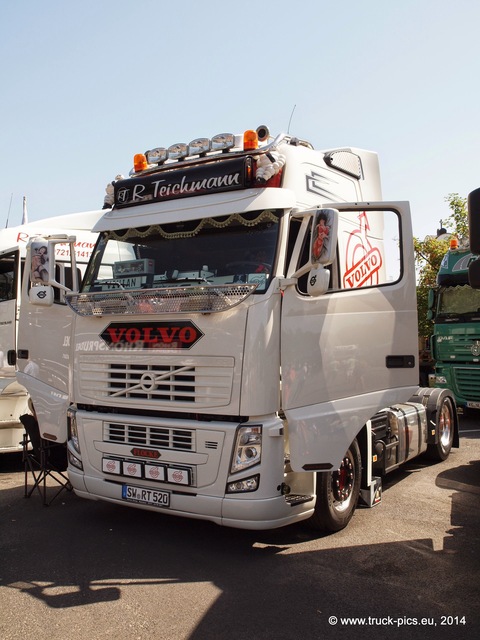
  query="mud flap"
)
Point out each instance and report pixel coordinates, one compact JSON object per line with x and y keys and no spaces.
{"x":372,"y":495}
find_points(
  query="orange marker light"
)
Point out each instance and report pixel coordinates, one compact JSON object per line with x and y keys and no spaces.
{"x":453,"y":243}
{"x":250,"y":140}
{"x":139,"y":162}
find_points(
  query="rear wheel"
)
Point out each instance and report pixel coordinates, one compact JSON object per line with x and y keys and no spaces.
{"x":337,"y":493}
{"x":445,"y":425}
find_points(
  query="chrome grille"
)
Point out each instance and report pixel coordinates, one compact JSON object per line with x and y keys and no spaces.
{"x":155,"y":382}
{"x":149,"y":436}
{"x":460,"y":345}
{"x":194,"y":384}
{"x":467,"y":381}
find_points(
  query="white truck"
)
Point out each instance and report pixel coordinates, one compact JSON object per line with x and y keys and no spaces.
{"x":244,"y":342}
{"x":14,"y":398}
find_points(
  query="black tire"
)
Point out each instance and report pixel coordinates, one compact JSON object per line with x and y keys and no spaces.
{"x":445,"y":426}
{"x":337,"y":493}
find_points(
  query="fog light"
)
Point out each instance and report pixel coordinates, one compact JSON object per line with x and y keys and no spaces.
{"x":74,"y":461}
{"x":73,"y":428}
{"x":244,"y":486}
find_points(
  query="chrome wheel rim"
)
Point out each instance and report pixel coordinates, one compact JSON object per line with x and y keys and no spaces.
{"x":343,"y":481}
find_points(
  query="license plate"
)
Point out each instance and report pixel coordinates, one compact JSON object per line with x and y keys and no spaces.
{"x":473,"y":405}
{"x":146,"y":496}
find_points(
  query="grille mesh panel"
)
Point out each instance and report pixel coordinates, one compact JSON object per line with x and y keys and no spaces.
{"x":141,"y":435}
{"x":192,"y":299}
{"x":196,"y":385}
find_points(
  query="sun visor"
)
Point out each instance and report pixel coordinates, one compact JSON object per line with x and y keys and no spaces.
{"x":195,"y":208}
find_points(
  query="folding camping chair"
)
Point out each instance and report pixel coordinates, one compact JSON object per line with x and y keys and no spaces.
{"x":42,"y":460}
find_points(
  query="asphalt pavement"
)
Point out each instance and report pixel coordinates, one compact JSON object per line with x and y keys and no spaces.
{"x":409,"y":567}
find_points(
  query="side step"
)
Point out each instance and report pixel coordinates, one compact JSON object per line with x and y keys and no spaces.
{"x":293,"y":499}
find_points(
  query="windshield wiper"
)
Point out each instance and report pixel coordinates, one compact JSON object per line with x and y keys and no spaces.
{"x":181,"y":280}
{"x":448,"y":317}
{"x":468,"y":316}
{"x":471,"y":315}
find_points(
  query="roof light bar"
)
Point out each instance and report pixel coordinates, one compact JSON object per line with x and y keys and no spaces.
{"x":223,"y":142}
{"x":178,"y":151}
{"x":157,"y":156}
{"x":199,"y":147}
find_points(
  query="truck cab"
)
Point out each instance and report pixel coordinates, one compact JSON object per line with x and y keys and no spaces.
{"x":13,"y":397}
{"x":474,"y":238}
{"x":16,"y":397}
{"x":243,"y":344}
{"x":455,"y":310}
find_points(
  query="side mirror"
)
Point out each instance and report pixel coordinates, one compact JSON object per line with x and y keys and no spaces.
{"x":318,"y":281}
{"x":323,"y":245}
{"x":474,"y":274}
{"x":431,"y":303}
{"x":323,"y":248}
{"x":474,"y":221}
{"x":41,"y":295}
{"x":41,"y":261}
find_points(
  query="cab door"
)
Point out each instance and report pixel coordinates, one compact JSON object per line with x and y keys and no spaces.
{"x":43,"y":350}
{"x":349,"y":352}
{"x":9,"y":276}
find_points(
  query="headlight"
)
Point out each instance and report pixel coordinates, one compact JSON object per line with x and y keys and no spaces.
{"x":248,"y":448}
{"x":73,"y":429}
{"x":440,"y":380}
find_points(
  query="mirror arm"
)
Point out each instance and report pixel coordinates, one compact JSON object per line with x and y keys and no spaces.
{"x":302,"y":271}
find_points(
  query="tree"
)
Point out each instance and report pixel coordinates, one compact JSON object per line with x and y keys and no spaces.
{"x":458,"y":219}
{"x":429,"y":254}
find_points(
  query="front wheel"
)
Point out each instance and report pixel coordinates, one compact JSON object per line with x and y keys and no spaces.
{"x":445,"y":425}
{"x":337,"y":493}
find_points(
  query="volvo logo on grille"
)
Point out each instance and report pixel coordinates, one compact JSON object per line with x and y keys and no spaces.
{"x":147,"y":382}
{"x":145,"y":453}
{"x":151,"y":335}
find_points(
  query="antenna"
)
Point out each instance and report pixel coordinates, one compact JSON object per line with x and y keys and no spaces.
{"x":8,"y":214}
{"x":291,"y":116}
{"x":25,"y":215}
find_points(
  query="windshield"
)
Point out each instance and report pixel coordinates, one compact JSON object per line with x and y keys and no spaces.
{"x":239,"y":248}
{"x":459,"y":302}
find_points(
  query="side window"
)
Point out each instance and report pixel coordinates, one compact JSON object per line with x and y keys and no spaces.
{"x":368,"y":254}
{"x":63,"y":275}
{"x":292,"y":238}
{"x":369,"y":249}
{"x":7,"y":277}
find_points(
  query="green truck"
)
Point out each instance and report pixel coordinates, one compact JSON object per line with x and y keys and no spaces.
{"x":455,"y":309}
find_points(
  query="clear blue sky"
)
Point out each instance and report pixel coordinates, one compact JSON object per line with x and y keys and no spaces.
{"x":85,"y":85}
